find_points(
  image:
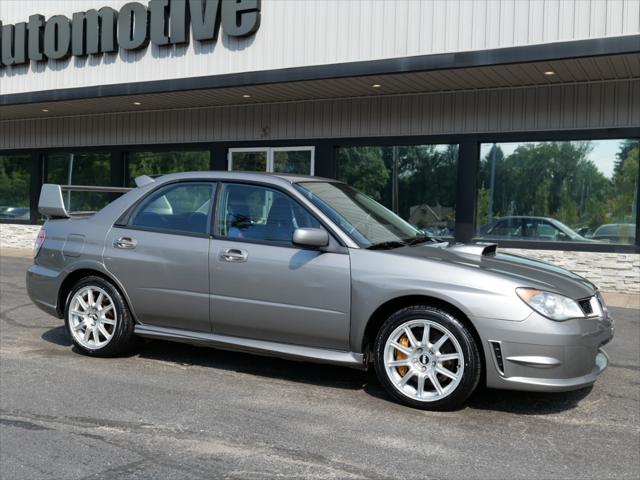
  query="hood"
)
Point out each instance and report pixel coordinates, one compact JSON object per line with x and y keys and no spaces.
{"x":525,"y":272}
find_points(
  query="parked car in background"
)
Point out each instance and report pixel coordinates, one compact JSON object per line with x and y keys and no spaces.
{"x":14,"y":213}
{"x":311,"y":269}
{"x":586,"y":231}
{"x":616,"y":233}
{"x":530,"y":228}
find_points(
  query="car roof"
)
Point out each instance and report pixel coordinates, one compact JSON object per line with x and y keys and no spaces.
{"x":246,"y":176}
{"x":616,"y":226}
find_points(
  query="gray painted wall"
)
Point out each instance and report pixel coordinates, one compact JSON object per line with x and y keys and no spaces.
{"x":607,"y":104}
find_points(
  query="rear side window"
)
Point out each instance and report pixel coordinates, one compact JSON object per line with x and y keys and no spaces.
{"x":507,"y":228}
{"x":258,"y":213}
{"x":182,"y":208}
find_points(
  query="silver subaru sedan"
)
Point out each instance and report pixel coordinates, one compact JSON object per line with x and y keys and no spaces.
{"x":310,"y":269}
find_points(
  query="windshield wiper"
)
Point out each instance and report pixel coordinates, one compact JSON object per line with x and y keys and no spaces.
{"x":387,"y":245}
{"x":422,"y":239}
{"x":419,"y":239}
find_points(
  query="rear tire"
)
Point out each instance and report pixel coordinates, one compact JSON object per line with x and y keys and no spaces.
{"x":97,"y":318}
{"x":427,"y":358}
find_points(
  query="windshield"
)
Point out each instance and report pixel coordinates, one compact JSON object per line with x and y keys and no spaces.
{"x":364,"y":219}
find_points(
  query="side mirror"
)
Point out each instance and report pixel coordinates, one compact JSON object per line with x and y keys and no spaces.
{"x":311,"y":237}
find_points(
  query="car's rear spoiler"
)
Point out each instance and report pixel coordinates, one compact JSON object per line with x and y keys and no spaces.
{"x":51,"y":203}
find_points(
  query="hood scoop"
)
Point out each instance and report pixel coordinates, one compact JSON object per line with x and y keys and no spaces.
{"x":478,"y":249}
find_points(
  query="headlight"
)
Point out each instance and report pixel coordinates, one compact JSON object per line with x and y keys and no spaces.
{"x":551,"y":305}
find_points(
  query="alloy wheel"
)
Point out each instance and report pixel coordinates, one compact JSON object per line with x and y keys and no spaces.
{"x":423,"y":360}
{"x":92,"y":317}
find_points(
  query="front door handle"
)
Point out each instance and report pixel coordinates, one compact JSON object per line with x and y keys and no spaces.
{"x":234,"y":255}
{"x":125,"y":242}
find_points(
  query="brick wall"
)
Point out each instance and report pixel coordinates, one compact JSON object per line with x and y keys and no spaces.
{"x":18,"y":236}
{"x":612,"y":272}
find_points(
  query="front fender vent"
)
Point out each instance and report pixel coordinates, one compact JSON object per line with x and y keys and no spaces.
{"x":497,"y":356}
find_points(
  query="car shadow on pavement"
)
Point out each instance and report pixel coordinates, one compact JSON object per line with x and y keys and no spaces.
{"x":524,"y":403}
{"x":303,"y":372}
{"x":57,"y":336}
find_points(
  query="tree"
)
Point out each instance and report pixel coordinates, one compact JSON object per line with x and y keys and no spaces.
{"x":158,"y":163}
{"x":549,"y":179}
{"x":364,"y":168}
{"x":625,"y":148}
{"x":14,"y":180}
{"x":625,"y":185}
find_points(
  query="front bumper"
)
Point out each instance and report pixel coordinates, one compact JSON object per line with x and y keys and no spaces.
{"x":539,"y":354}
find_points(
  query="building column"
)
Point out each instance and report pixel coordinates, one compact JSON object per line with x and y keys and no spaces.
{"x":467,"y":186}
{"x":37,"y":179}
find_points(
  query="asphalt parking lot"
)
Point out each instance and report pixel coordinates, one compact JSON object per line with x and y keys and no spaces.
{"x":176,"y":411}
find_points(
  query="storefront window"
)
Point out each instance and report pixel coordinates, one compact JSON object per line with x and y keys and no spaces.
{"x":160,"y":163}
{"x":570,"y":191}
{"x":81,"y":168}
{"x":15,"y":178}
{"x":291,"y":160}
{"x":418,"y":181}
{"x":242,"y":160}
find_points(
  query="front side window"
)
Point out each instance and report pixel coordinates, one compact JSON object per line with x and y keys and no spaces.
{"x":570,"y":191}
{"x":181,"y":208}
{"x":364,"y":219}
{"x":251,"y":212}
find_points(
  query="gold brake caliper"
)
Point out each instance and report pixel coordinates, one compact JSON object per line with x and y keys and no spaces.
{"x":404,"y":341}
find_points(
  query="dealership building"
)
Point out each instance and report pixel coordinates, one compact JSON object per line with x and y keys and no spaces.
{"x":514,"y":121}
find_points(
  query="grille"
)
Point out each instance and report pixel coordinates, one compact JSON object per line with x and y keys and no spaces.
{"x":585,"y":305}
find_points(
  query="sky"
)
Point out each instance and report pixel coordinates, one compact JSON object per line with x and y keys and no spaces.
{"x":603,"y":153}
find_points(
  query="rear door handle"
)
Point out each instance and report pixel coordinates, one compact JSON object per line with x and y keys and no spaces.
{"x":234,"y":255}
{"x":125,"y":242}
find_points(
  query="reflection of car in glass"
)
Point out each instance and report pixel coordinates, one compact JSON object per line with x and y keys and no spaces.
{"x":586,"y":232}
{"x":438,"y":232}
{"x":530,"y":228}
{"x":15,"y":213}
{"x":616,"y":233}
{"x":311,"y":269}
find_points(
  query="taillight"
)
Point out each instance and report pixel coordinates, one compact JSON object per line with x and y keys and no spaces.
{"x":42,"y":234}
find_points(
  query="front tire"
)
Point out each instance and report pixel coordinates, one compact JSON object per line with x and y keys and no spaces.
{"x":97,"y":318}
{"x":427,"y":358}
